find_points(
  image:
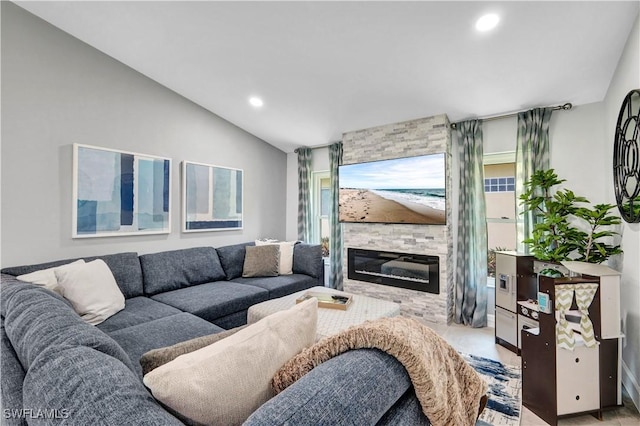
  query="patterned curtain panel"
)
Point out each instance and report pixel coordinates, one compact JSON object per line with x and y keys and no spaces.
{"x":304,"y":194}
{"x":532,"y":154}
{"x":335,"y":241}
{"x":585,"y":293}
{"x":471,"y":268}
{"x":565,"y":338}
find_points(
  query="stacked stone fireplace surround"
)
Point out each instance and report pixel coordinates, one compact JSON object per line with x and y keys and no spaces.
{"x":407,"y":139}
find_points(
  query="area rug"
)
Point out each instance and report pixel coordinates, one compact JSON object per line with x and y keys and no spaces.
{"x":505,"y":386}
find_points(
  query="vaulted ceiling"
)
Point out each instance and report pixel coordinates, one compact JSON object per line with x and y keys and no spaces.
{"x":324,"y":68}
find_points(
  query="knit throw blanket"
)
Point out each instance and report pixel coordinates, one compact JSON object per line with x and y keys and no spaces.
{"x":449,"y":389}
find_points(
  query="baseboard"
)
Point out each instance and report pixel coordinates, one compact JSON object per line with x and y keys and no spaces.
{"x":491,"y":320}
{"x":631,"y":385}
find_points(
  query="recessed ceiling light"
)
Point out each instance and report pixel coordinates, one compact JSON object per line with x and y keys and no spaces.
{"x":487,"y":22}
{"x":256,"y":102}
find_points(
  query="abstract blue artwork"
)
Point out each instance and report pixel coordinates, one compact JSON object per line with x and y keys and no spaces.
{"x":119,"y":193}
{"x":211,"y":197}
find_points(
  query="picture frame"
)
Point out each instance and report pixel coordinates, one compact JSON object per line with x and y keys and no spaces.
{"x":119,"y":193}
{"x":212,"y":197}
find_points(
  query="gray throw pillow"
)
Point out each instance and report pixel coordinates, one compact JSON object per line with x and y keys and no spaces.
{"x":157,"y":357}
{"x":261,"y":261}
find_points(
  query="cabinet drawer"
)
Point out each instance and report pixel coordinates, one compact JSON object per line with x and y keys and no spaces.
{"x":507,"y":326}
{"x":578,"y":380}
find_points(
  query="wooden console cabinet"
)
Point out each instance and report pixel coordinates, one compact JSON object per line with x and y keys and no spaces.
{"x":558,"y":382}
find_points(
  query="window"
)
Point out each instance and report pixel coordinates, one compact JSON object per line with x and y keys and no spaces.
{"x":499,"y":184}
{"x":499,"y":188}
{"x":320,"y":209}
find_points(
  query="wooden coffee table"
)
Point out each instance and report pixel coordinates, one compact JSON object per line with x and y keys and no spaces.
{"x":330,"y":321}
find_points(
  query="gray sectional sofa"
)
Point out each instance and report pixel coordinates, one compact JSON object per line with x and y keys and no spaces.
{"x":56,"y":368}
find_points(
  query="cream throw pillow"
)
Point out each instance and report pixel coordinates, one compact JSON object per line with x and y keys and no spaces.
{"x":223,"y":383}
{"x":286,"y":254}
{"x":47,"y":277}
{"x":92,"y":290}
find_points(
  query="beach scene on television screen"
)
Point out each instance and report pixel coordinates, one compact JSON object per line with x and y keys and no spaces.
{"x":405,"y":190}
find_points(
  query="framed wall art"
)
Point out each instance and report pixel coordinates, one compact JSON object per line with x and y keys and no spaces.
{"x":211,"y":197}
{"x":118,"y":193}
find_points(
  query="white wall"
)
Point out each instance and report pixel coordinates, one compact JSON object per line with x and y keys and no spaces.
{"x":575,"y":145}
{"x":499,"y":135}
{"x":625,"y":79}
{"x":56,"y":91}
{"x":320,"y":160}
{"x":577,"y":150}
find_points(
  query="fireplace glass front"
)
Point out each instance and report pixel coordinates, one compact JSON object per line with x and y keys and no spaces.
{"x":406,"y":270}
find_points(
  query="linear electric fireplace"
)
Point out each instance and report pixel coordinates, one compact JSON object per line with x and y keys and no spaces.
{"x":406,"y":270}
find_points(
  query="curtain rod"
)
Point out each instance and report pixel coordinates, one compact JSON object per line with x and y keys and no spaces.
{"x":564,"y":107}
{"x":316,"y":147}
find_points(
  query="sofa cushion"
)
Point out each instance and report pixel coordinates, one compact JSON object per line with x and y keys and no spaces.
{"x":282,"y":285}
{"x":214,"y":300}
{"x":124,"y":266}
{"x":225,"y":382}
{"x":141,"y":338}
{"x":372,"y":380}
{"x":37,"y":322}
{"x":157,"y":357}
{"x":91,"y":289}
{"x":261,"y":261}
{"x":126,"y":270}
{"x":232,"y":259}
{"x":307,"y":259}
{"x":12,"y":378}
{"x":137,"y":310}
{"x":171,"y":270}
{"x":234,"y":320}
{"x":88,"y":387}
{"x":47,"y":277}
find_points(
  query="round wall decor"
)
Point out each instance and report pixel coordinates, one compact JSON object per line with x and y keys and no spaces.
{"x":626,"y":158}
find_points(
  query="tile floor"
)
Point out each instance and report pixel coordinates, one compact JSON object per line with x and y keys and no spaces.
{"x":482,"y":342}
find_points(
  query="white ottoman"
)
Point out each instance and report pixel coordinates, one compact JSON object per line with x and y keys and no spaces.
{"x":330,"y":321}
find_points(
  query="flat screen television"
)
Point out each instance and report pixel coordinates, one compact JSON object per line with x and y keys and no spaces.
{"x":409,"y":190}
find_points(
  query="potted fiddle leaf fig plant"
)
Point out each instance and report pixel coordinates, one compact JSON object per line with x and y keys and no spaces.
{"x":594,"y":249}
{"x":565,"y":226}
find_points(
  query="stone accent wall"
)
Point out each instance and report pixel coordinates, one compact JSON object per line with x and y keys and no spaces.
{"x":410,"y":138}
